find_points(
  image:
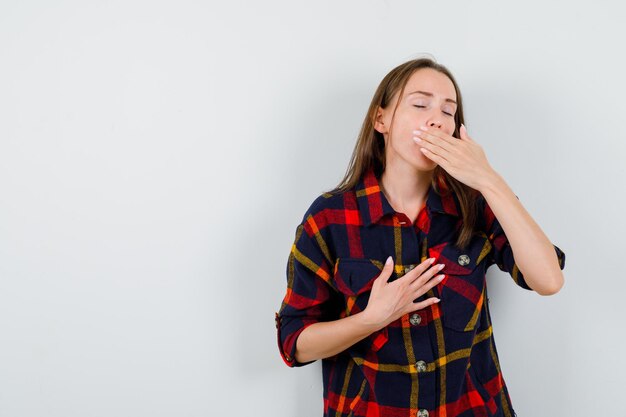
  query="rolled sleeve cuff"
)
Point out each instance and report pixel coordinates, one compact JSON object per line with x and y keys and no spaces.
{"x":287,"y":343}
{"x":519,"y":278}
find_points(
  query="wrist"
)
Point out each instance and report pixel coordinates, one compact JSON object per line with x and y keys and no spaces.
{"x":491,"y":183}
{"x":366,"y":322}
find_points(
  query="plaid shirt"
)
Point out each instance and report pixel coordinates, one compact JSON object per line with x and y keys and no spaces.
{"x":440,"y":361}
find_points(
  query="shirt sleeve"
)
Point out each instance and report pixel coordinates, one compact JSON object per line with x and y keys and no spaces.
{"x":309,"y":297}
{"x":502,"y":253}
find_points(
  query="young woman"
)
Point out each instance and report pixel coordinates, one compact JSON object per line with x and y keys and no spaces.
{"x":386,"y":276}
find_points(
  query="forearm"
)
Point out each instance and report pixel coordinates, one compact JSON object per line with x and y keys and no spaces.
{"x":325,"y":339}
{"x":534,"y":253}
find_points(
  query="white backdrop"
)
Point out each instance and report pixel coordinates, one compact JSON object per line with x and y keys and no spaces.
{"x":156,"y":158}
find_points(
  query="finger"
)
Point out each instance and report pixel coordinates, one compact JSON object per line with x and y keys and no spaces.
{"x":418,"y":270}
{"x":435,"y":143}
{"x":435,"y":149}
{"x":434,"y":157}
{"x":427,"y":274}
{"x":424,"y":304}
{"x":436,"y":135}
{"x":422,"y":287}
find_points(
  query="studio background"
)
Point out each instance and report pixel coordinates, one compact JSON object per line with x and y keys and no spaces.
{"x":156,"y":158}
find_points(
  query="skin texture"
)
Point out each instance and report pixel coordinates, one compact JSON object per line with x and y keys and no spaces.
{"x":418,"y":138}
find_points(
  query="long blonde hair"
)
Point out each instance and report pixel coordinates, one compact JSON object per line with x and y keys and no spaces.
{"x":369,"y":151}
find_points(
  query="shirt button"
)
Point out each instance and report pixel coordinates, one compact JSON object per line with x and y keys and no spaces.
{"x":415,"y":319}
{"x":421,"y":366}
{"x":463,"y":260}
{"x":422,"y":413}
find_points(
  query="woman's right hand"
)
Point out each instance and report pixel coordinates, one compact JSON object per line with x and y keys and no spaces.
{"x":390,"y":300}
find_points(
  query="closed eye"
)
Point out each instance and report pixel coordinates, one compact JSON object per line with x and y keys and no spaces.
{"x":421,"y":107}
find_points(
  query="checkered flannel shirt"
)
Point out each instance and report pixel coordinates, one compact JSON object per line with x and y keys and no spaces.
{"x":440,"y":361}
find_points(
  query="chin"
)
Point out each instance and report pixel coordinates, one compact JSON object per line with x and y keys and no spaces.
{"x":425,"y":164}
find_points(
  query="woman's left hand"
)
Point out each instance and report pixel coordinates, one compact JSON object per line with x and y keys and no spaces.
{"x":462,"y":158}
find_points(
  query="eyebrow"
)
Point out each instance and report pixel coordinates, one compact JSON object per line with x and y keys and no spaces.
{"x":426,"y":93}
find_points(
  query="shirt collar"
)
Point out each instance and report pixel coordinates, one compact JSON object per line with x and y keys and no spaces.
{"x":373,"y":204}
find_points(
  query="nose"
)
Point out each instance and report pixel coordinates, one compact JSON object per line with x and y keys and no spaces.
{"x":435,"y":123}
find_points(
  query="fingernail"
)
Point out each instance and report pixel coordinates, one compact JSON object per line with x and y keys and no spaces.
{"x":416,"y":139}
{"x":431,"y":260}
{"x":437,"y":300}
{"x":388,"y":261}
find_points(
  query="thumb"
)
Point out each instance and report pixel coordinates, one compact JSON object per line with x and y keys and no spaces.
{"x":387,"y":269}
{"x":463,"y":132}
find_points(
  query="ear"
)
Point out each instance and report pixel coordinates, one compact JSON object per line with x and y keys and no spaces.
{"x":379,"y":122}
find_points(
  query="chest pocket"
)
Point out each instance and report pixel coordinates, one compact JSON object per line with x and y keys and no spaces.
{"x":354,"y":278}
{"x":462,"y":292}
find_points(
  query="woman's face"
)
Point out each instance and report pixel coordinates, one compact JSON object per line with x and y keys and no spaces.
{"x":429,"y":99}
